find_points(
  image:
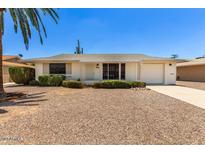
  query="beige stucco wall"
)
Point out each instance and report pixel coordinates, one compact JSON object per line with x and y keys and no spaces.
{"x":89,"y":71}
{"x":46,"y":68}
{"x":98,"y":71}
{"x":170,"y":73}
{"x":191,"y":73}
{"x":38,"y":70}
{"x":68,"y":68}
{"x":131,"y":71}
{"x":76,"y":70}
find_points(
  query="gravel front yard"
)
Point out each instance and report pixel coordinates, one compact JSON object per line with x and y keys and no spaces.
{"x":50,"y":115}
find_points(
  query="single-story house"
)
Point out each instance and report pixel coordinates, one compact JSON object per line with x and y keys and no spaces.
{"x":11,"y":61}
{"x":91,"y":67}
{"x":193,"y":70}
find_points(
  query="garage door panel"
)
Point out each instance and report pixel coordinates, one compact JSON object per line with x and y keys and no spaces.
{"x":153,"y":73}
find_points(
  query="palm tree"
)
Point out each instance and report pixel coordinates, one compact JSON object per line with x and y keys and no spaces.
{"x":23,"y":19}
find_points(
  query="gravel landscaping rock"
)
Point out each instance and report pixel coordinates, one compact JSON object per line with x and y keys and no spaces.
{"x":57,"y":115}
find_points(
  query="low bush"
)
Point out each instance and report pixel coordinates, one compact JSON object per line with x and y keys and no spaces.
{"x":33,"y":83}
{"x":142,"y":84}
{"x":50,"y":80}
{"x":55,"y":80}
{"x":134,"y":84}
{"x":72,"y":84}
{"x":21,"y":75}
{"x":111,"y":84}
{"x":43,"y":80}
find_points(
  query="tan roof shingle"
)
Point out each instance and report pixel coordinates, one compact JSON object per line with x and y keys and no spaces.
{"x":98,"y":58}
{"x":193,"y":62}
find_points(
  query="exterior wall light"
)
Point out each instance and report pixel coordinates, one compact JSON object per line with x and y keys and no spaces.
{"x":97,"y":66}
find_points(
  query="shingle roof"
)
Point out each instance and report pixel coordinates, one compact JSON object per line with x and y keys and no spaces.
{"x":192,"y":62}
{"x":98,"y":58}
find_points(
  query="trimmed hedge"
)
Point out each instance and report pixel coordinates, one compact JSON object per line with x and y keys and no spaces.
{"x":135,"y":84}
{"x":50,"y":80}
{"x":33,"y":83}
{"x":72,"y":84}
{"x":21,"y":75}
{"x":43,"y":80}
{"x":55,"y":80}
{"x":111,"y":84}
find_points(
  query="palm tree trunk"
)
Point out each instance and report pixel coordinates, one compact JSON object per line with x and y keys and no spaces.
{"x":2,"y":93}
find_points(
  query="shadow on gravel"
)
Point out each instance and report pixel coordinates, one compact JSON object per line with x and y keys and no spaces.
{"x":3,"y":111}
{"x":22,"y":99}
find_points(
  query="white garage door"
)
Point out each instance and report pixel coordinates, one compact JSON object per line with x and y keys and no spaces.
{"x":152,"y":73}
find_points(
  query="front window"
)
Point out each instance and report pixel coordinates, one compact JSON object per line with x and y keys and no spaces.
{"x":123,"y":71}
{"x":57,"y":68}
{"x":105,"y":71}
{"x":111,"y":71}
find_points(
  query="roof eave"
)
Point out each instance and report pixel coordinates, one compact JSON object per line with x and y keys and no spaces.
{"x":184,"y":65}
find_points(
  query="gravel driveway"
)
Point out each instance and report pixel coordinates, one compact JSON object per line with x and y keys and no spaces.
{"x":50,"y":115}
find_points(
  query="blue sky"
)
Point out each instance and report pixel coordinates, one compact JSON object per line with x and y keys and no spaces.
{"x":157,"y":32}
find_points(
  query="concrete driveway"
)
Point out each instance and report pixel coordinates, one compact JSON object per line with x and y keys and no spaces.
{"x":193,"y":96}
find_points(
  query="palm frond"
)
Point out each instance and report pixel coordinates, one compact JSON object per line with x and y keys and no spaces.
{"x":52,"y":13}
{"x":15,"y":21}
{"x":41,"y":22}
{"x":24,"y":18}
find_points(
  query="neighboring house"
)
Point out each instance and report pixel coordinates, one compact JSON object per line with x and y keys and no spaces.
{"x":11,"y":58}
{"x":11,"y":61}
{"x":86,"y":67}
{"x":193,"y":70}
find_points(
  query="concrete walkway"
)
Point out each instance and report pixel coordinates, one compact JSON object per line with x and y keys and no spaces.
{"x":11,"y":84}
{"x":193,"y":96}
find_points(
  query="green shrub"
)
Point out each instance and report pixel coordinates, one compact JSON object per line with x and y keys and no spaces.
{"x":50,"y":80}
{"x":43,"y":80}
{"x":111,"y":84}
{"x":97,"y":85}
{"x":21,"y":75}
{"x":72,"y":84}
{"x":135,"y":84}
{"x":55,"y":80}
{"x":142,"y":84}
{"x":33,"y":83}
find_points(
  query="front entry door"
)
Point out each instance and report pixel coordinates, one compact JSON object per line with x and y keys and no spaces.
{"x":113,"y":71}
